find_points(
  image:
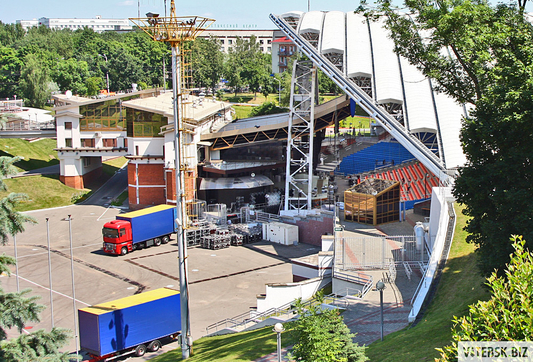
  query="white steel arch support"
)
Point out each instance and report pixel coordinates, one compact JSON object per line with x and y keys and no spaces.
{"x":391,"y":125}
{"x":299,"y":160}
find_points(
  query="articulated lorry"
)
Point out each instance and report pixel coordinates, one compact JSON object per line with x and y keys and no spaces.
{"x":131,"y":325}
{"x":139,"y":229}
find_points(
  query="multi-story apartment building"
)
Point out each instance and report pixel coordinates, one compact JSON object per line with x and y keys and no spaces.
{"x":228,"y":37}
{"x":98,"y":24}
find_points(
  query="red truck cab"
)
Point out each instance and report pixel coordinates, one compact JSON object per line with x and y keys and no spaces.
{"x":117,"y":237}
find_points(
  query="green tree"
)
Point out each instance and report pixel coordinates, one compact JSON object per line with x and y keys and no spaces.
{"x":10,"y":65}
{"x":124,"y":69}
{"x":207,"y":62}
{"x":10,"y":33}
{"x":150,"y":55}
{"x":17,"y":309}
{"x":322,"y":336}
{"x":246,"y":65}
{"x":266,"y":108}
{"x":490,"y":65}
{"x":506,"y":316}
{"x":94,"y":84}
{"x":71,"y":75}
{"x":34,"y":82}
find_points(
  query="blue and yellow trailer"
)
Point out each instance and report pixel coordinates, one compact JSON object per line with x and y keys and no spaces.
{"x":131,"y":325}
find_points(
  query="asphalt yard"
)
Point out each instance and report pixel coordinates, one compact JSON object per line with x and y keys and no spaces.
{"x":222,"y":283}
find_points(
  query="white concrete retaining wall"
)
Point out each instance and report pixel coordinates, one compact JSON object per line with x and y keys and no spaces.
{"x":279,"y":294}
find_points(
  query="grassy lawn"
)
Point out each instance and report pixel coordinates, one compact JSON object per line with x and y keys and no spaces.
{"x":459,"y":287}
{"x":250,"y":98}
{"x":246,"y":346}
{"x":43,"y":191}
{"x":47,"y":191}
{"x":36,"y":154}
{"x":242,"y":112}
{"x":356,"y":122}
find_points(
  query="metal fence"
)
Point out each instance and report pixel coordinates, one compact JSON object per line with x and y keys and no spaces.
{"x":379,"y":252}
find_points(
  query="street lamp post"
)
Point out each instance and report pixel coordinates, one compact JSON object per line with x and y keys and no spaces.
{"x":381,"y":286}
{"x":106,"y":72}
{"x":279,"y":88}
{"x":278,"y":328}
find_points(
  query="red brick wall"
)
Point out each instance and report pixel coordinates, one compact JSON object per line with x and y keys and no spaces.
{"x":72,"y":181}
{"x":171,"y":185}
{"x":146,"y":175}
{"x":151,"y":174}
{"x":190,"y":185}
{"x":79,"y":182}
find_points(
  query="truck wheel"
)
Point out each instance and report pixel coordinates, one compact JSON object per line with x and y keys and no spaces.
{"x":123,"y":251}
{"x":154,"y":346}
{"x":140,"y":350}
{"x":165,"y":239}
{"x":157,"y":241}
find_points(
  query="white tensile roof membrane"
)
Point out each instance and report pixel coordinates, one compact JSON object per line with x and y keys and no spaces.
{"x":311,"y":22}
{"x":333,"y":39}
{"x":386,"y":69}
{"x":369,"y":52}
{"x":358,"y":56}
{"x":292,"y":14}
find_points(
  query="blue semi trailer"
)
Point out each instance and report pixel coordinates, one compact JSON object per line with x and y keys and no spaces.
{"x":139,"y":229}
{"x":131,"y":325}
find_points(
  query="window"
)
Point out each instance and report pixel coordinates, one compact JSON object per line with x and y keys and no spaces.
{"x":86,"y":161}
{"x":261,"y":41}
{"x":68,"y":125}
{"x":222,"y":41}
{"x":122,"y":232}
{"x":68,"y":142}
{"x":109,"y":142}
{"x":87,"y":142}
{"x":105,"y":115}
{"x":230,"y":41}
{"x":144,"y":124}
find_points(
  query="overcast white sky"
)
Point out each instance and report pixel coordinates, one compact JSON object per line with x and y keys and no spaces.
{"x":227,"y":13}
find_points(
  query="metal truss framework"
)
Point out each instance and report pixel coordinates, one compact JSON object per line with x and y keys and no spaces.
{"x":378,"y":112}
{"x":300,"y":137}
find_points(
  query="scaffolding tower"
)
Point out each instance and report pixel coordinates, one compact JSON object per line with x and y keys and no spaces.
{"x":299,"y":166}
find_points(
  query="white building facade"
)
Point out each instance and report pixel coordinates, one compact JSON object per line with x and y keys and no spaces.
{"x":228,"y":37}
{"x":98,"y":24}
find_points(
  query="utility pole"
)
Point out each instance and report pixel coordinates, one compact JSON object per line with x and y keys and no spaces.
{"x":177,"y":31}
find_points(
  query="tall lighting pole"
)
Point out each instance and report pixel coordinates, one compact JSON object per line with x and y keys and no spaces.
{"x":176,"y":31}
{"x":106,"y":72}
{"x":380,"y":286}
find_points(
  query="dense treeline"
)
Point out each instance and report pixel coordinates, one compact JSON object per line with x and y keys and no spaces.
{"x":35,"y":63}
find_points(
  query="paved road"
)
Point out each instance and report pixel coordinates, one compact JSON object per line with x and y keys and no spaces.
{"x":110,"y":190}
